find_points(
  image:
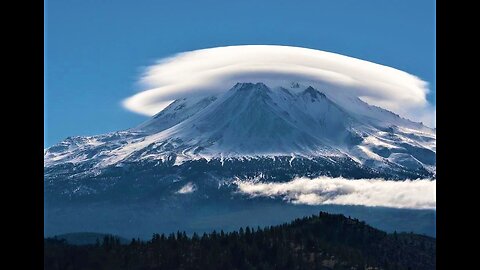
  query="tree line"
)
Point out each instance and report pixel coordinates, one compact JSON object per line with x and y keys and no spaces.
{"x":323,"y":241}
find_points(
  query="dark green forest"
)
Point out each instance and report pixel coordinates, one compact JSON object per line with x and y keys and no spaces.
{"x":323,"y":241}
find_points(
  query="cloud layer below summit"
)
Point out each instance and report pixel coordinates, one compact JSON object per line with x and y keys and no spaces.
{"x":213,"y":70}
{"x":413,"y":194}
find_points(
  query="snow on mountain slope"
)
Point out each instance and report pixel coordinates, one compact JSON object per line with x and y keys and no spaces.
{"x":255,"y":120}
{"x":175,"y":113}
{"x":373,"y":115}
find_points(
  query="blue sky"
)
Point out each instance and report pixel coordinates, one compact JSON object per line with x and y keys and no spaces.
{"x":95,"y":50}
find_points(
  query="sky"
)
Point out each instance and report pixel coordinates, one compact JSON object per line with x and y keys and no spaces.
{"x":96,"y":51}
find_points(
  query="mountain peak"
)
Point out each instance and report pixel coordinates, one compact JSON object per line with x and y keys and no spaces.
{"x":249,"y":86}
{"x":314,"y":93}
{"x":294,"y":85}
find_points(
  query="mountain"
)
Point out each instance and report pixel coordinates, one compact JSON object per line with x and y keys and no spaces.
{"x":254,"y":121}
{"x":189,"y":154}
{"x":321,"y":241}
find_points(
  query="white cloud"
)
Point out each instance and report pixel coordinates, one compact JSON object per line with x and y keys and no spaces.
{"x":188,"y":188}
{"x":414,"y":194}
{"x":216,"y":69}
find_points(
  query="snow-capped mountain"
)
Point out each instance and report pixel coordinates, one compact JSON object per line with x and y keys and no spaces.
{"x":255,"y":121}
{"x":179,"y":169}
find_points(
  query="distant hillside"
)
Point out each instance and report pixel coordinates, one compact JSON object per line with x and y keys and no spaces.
{"x":325,"y":241}
{"x":86,"y":238}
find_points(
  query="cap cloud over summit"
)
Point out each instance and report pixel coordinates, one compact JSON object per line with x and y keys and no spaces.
{"x":209,"y":71}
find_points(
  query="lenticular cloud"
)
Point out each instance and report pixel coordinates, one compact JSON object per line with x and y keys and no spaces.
{"x":213,"y":70}
{"x":413,"y":194}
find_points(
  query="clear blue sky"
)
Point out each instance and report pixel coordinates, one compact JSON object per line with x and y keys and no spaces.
{"x":95,"y":50}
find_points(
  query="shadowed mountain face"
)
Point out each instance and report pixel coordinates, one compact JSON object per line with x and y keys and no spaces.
{"x":201,"y":145}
